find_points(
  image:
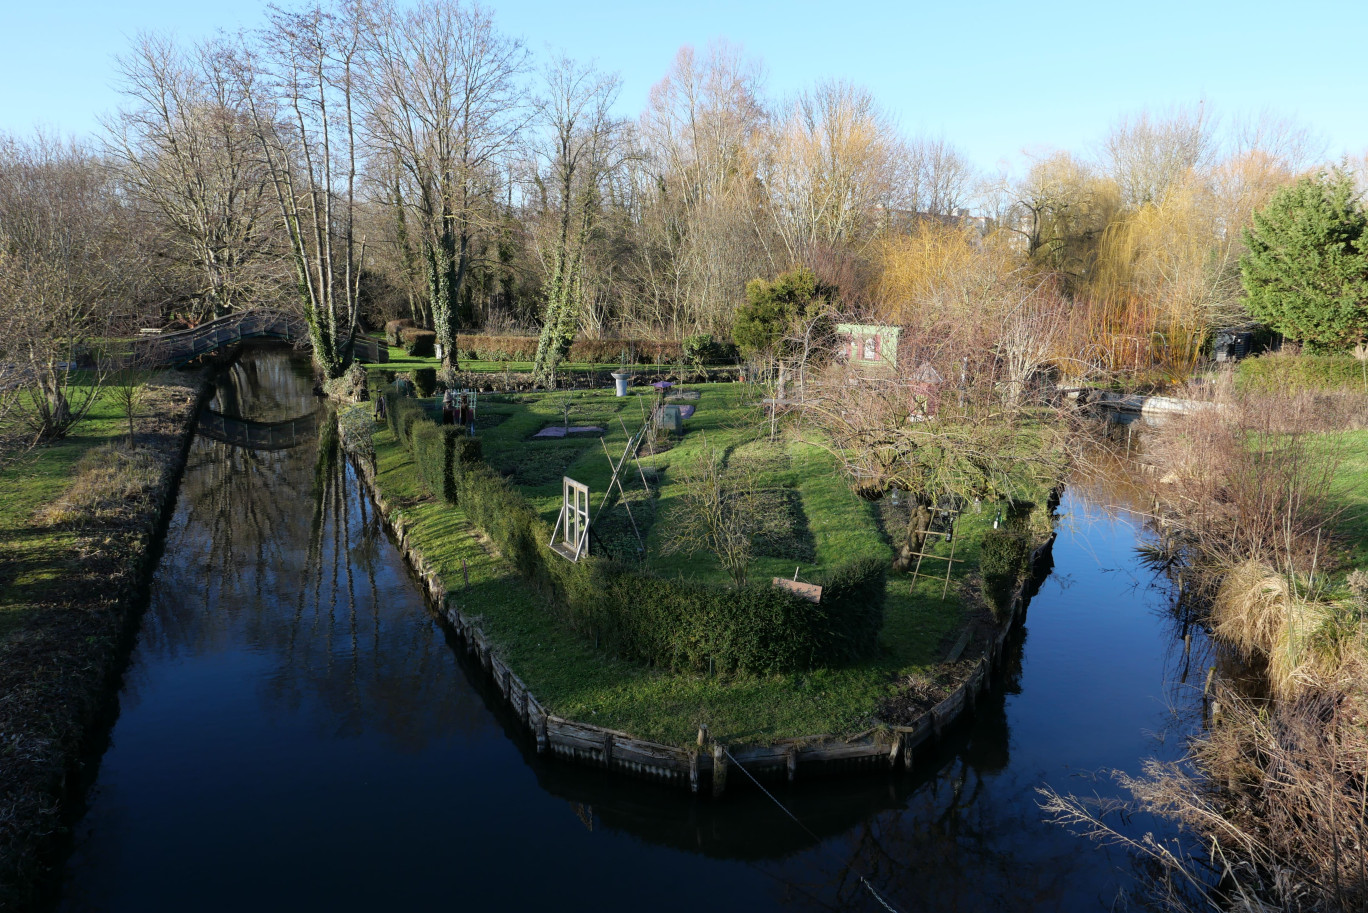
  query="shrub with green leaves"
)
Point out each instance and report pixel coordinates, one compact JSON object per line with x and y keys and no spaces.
{"x":1297,"y":373}
{"x":441,"y":452}
{"x":400,"y":414}
{"x":1002,"y":561}
{"x":1305,"y":268}
{"x":418,"y":343}
{"x":425,"y":380}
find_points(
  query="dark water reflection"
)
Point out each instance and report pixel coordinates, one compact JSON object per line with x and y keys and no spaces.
{"x":297,"y":732}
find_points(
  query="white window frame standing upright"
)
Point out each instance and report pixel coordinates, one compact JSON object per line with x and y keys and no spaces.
{"x":572,"y":526}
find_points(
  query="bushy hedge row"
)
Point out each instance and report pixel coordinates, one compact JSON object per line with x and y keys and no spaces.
{"x":418,"y":343}
{"x":439,"y":452}
{"x":1002,"y":561}
{"x":425,"y":380}
{"x":1295,"y":373}
{"x":596,"y":351}
{"x":670,"y":622}
{"x":401,"y":412}
{"x":393,"y":328}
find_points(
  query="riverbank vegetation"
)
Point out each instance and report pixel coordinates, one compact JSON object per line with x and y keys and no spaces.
{"x":76,"y":528}
{"x":1262,"y":512}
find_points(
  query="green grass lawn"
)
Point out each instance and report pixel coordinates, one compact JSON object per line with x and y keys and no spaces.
{"x":37,"y":557}
{"x":830,"y":527}
{"x":1351,"y":484}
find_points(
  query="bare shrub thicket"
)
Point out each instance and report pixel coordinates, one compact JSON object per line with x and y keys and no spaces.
{"x":717,"y":512}
{"x":956,"y":418}
{"x":1277,"y":787}
{"x":1248,"y":478}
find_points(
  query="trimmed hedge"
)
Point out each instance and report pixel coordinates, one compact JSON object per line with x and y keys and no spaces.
{"x":1300,"y":372}
{"x":595,"y":351}
{"x":400,"y":414}
{"x":1002,"y":561}
{"x":440,"y":452}
{"x":418,"y":343}
{"x":425,"y":379}
{"x":393,"y":329}
{"x":675,"y":623}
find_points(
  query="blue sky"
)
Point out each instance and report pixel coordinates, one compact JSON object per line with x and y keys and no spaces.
{"x":997,"y":79}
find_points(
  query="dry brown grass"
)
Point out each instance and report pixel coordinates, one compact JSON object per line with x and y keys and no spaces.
{"x":1251,"y":608}
{"x":111,"y":483}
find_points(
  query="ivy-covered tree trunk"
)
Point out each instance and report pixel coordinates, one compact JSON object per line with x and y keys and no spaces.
{"x":564,"y":293}
{"x":447,"y":257}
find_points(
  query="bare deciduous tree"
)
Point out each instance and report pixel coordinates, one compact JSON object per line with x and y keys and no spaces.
{"x":716,"y":513}
{"x":1151,"y":155}
{"x":186,"y":152}
{"x":582,"y":150}
{"x":300,"y":91}
{"x":836,"y":168}
{"x":447,"y":109}
{"x":697,"y":201}
{"x":61,"y":274}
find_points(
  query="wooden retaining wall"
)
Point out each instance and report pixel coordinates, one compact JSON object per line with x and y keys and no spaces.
{"x":703,"y":766}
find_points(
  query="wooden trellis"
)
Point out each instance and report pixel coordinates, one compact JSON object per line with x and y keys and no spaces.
{"x":944,"y":520}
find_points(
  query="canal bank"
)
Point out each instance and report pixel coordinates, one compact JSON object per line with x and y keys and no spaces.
{"x":75,"y":586}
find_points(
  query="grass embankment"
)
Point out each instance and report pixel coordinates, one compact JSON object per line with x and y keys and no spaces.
{"x":821,"y":525}
{"x":76,"y":523}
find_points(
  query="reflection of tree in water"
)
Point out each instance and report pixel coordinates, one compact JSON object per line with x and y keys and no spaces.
{"x":279,"y":557}
{"x":264,"y":385}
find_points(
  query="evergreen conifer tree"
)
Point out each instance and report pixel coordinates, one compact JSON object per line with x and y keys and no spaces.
{"x":1306,"y":270}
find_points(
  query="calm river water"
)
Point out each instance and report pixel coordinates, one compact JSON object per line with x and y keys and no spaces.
{"x":297,"y":732}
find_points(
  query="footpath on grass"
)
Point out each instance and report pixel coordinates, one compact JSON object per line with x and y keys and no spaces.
{"x":665,"y":720}
{"x":78,"y":529}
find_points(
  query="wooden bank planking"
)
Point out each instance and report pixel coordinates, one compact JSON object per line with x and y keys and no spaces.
{"x":884,"y":748}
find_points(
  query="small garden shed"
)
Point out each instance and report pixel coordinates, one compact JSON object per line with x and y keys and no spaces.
{"x":869,"y":343}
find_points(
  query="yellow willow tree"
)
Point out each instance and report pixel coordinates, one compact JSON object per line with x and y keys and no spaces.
{"x":1167,"y":273}
{"x":1157,"y":261}
{"x":938,"y":266}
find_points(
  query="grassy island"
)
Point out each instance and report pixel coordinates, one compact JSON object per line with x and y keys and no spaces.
{"x":813,"y":525}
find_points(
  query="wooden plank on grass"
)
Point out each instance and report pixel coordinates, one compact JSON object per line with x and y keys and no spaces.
{"x":809,"y":591}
